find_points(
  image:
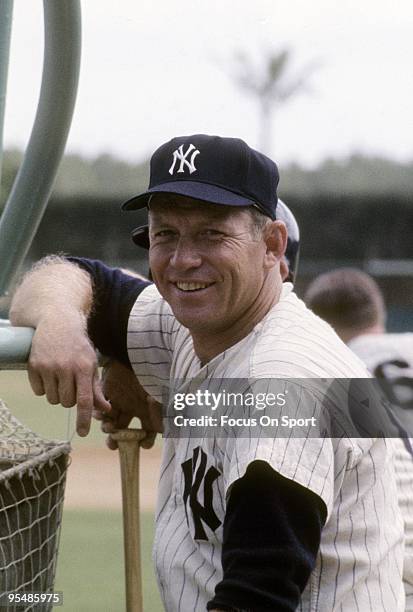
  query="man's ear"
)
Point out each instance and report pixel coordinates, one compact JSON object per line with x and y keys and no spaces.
{"x":275,"y":237}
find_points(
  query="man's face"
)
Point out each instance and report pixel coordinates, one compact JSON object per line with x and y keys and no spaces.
{"x":207,"y":262}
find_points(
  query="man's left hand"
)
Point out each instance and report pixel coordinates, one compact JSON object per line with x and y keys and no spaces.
{"x":128,"y":400}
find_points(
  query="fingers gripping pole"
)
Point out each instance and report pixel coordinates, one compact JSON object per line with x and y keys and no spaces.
{"x":128,"y":442}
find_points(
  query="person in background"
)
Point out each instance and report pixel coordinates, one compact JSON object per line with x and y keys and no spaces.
{"x":352,"y":302}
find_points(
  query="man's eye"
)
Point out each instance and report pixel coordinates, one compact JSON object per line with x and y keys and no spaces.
{"x":212,"y":233}
{"x":164,"y":234}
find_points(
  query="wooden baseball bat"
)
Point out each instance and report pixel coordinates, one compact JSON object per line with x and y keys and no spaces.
{"x":128,"y":442}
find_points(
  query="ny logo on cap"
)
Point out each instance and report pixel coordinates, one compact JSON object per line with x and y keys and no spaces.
{"x":182,"y":157}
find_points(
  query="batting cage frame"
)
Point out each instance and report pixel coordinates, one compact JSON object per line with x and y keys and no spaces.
{"x":33,"y":469}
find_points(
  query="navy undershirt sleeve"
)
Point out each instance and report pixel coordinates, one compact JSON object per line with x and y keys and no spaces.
{"x":114,"y":293}
{"x":272,"y":532}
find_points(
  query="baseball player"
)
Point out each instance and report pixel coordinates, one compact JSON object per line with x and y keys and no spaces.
{"x":351,"y":301}
{"x":244,"y":522}
{"x":128,"y":398}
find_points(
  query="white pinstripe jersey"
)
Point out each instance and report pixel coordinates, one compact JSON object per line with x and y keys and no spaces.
{"x":359,"y":563}
{"x":376,"y":350}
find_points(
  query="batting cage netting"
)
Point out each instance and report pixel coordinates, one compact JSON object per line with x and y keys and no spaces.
{"x":32,"y":483}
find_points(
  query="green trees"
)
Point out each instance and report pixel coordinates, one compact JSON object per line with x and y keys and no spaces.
{"x":104,"y":175}
{"x":108,"y":177}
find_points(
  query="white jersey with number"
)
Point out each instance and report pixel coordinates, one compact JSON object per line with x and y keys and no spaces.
{"x":377,"y":349}
{"x":359,"y":563}
{"x":381,"y":353}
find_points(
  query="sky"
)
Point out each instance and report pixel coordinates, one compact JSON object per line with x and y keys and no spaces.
{"x":155,"y":69}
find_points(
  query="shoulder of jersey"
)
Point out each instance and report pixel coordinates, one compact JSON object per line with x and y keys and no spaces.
{"x":298,"y":343}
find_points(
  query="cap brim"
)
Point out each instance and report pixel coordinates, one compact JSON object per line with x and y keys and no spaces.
{"x":140,"y":236}
{"x":191,"y":189}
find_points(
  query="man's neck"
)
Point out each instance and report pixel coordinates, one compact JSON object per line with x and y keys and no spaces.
{"x":210,"y":343}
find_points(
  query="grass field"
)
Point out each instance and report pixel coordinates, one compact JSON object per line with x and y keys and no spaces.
{"x":90,"y":567}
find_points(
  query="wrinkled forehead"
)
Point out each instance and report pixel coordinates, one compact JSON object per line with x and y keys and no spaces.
{"x":169,"y":208}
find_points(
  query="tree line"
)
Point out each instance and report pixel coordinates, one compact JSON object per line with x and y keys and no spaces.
{"x":107,"y":176}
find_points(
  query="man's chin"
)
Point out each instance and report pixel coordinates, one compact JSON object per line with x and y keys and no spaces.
{"x":203,"y":320}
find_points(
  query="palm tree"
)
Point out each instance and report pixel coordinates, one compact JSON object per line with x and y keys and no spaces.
{"x":271,"y":87}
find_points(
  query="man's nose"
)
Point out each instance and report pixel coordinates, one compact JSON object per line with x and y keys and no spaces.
{"x":186,"y":255}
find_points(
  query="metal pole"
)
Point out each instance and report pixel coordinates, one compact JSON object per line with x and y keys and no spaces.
{"x":34,"y":182}
{"x":6,"y":16}
{"x":15,"y":344}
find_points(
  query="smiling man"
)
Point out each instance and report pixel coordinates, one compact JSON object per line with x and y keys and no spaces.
{"x":213,"y":268}
{"x":250,"y":522}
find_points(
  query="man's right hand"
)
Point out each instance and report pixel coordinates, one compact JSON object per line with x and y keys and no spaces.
{"x":63,"y":366}
{"x":55,"y":298}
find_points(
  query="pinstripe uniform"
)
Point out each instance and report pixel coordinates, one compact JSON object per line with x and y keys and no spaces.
{"x":359,"y":563}
{"x":376,"y":350}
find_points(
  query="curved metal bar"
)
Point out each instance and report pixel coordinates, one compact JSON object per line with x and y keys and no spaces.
{"x":34,"y":182}
{"x":15,"y":344}
{"x":6,"y":16}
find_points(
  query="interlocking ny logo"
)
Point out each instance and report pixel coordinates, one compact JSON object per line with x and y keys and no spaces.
{"x":182,"y":157}
{"x":194,"y":478}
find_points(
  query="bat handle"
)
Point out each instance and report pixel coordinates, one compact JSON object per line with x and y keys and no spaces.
{"x":128,"y":443}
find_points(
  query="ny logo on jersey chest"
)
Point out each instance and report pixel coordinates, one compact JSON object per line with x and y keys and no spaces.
{"x":182,"y":157}
{"x":197,"y":477}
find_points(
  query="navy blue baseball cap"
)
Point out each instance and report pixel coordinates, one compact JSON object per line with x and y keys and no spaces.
{"x":212,"y":169}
